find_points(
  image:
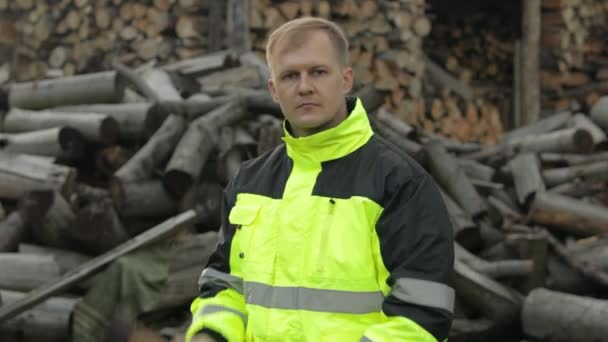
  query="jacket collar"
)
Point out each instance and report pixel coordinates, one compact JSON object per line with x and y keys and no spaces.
{"x":336,"y":142}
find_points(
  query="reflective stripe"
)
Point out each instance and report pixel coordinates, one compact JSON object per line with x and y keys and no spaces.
{"x":211,"y":309}
{"x":216,"y":277}
{"x":301,"y":298}
{"x":424,"y":292}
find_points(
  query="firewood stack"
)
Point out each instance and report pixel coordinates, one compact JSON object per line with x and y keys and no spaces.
{"x":470,"y":69}
{"x":90,"y":161}
{"x":574,"y":53}
{"x":70,"y":37}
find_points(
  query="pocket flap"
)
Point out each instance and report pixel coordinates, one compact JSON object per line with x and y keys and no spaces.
{"x":243,"y":214}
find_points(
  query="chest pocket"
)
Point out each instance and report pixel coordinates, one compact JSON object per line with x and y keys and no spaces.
{"x":251,"y":237}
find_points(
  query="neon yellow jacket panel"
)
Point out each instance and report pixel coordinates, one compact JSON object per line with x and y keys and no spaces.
{"x":337,"y":236}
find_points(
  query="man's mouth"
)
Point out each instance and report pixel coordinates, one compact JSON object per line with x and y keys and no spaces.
{"x":307,"y":104}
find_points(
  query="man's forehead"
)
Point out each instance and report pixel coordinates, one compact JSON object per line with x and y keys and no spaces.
{"x":297,"y":39}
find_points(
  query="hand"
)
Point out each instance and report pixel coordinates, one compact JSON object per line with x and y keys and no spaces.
{"x":203,"y":337}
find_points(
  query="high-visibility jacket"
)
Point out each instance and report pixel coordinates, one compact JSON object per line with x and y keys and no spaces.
{"x":336,"y":236}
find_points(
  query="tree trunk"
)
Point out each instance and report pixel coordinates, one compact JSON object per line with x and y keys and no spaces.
{"x":492,"y":299}
{"x":543,"y":126}
{"x":530,"y":67}
{"x":49,"y":218}
{"x":574,"y":140}
{"x":66,"y":260}
{"x":571,"y":215}
{"x":190,"y":109}
{"x":556,"y":317}
{"x":129,"y":116}
{"x":63,"y":143}
{"x":50,"y":321}
{"x":465,"y":230}
{"x":526,"y":176}
{"x":451,"y":176}
{"x":22,"y":173}
{"x":12,"y":232}
{"x":237,"y":25}
{"x":24,"y":272}
{"x":599,"y":112}
{"x":142,"y":199}
{"x":155,"y":152}
{"x":183,"y":170}
{"x":102,"y":87}
{"x":94,"y":127}
{"x":587,"y":172}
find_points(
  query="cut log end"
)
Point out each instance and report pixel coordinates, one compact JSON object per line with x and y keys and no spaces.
{"x":72,"y":142}
{"x":583,"y":140}
{"x":109,"y":131}
{"x":177,"y":182}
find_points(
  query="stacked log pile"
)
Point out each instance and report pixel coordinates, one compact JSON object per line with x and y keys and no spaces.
{"x":70,"y":37}
{"x":574,"y":53}
{"x":82,"y":175}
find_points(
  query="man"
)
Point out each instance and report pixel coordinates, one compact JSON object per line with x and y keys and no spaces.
{"x":335,"y":235}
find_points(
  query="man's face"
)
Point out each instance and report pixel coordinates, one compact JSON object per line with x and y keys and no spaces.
{"x":309,"y":83}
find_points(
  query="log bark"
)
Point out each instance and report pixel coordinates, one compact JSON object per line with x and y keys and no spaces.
{"x":570,"y":215}
{"x":12,"y":232}
{"x":207,"y":63}
{"x":22,"y":173}
{"x":129,"y":116}
{"x":494,"y":269}
{"x":556,"y":317}
{"x":476,"y":170}
{"x":466,"y":231}
{"x":150,"y":156}
{"x":493,"y":300}
{"x":408,"y":146}
{"x":574,"y":140}
{"x":401,"y":128}
{"x":183,"y":170}
{"x":146,"y":198}
{"x":191,"y":109}
{"x":160,"y":84}
{"x":579,"y":189}
{"x":597,"y":171}
{"x":63,"y":143}
{"x":49,"y":218}
{"x":216,"y":21}
{"x":50,"y":321}
{"x":526,"y":176}
{"x":162,"y":230}
{"x":94,"y":127}
{"x":572,"y":159}
{"x":530,"y":78}
{"x":66,"y":260}
{"x":237,"y":25}
{"x":103,"y":87}
{"x":451,"y":177}
{"x":24,"y":272}
{"x":599,"y":112}
{"x":546,"y":125}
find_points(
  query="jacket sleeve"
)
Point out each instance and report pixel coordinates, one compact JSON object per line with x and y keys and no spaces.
{"x":220,"y":306}
{"x":416,"y":246}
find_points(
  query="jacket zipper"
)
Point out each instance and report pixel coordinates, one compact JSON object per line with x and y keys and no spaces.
{"x":325,"y":236}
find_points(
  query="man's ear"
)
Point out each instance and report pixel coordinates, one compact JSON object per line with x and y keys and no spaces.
{"x":272,"y":90}
{"x":347,"y":76}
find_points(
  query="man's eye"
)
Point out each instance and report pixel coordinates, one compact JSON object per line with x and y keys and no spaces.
{"x":289,"y":76}
{"x":318,"y":72}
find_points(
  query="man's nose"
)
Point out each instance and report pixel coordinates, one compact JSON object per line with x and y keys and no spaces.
{"x":305,"y":85}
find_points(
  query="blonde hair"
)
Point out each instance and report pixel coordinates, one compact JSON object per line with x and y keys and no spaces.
{"x":293,"y":31}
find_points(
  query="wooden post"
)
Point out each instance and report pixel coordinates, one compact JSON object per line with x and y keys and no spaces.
{"x":530,"y":79}
{"x":216,"y":18}
{"x":237,"y":25}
